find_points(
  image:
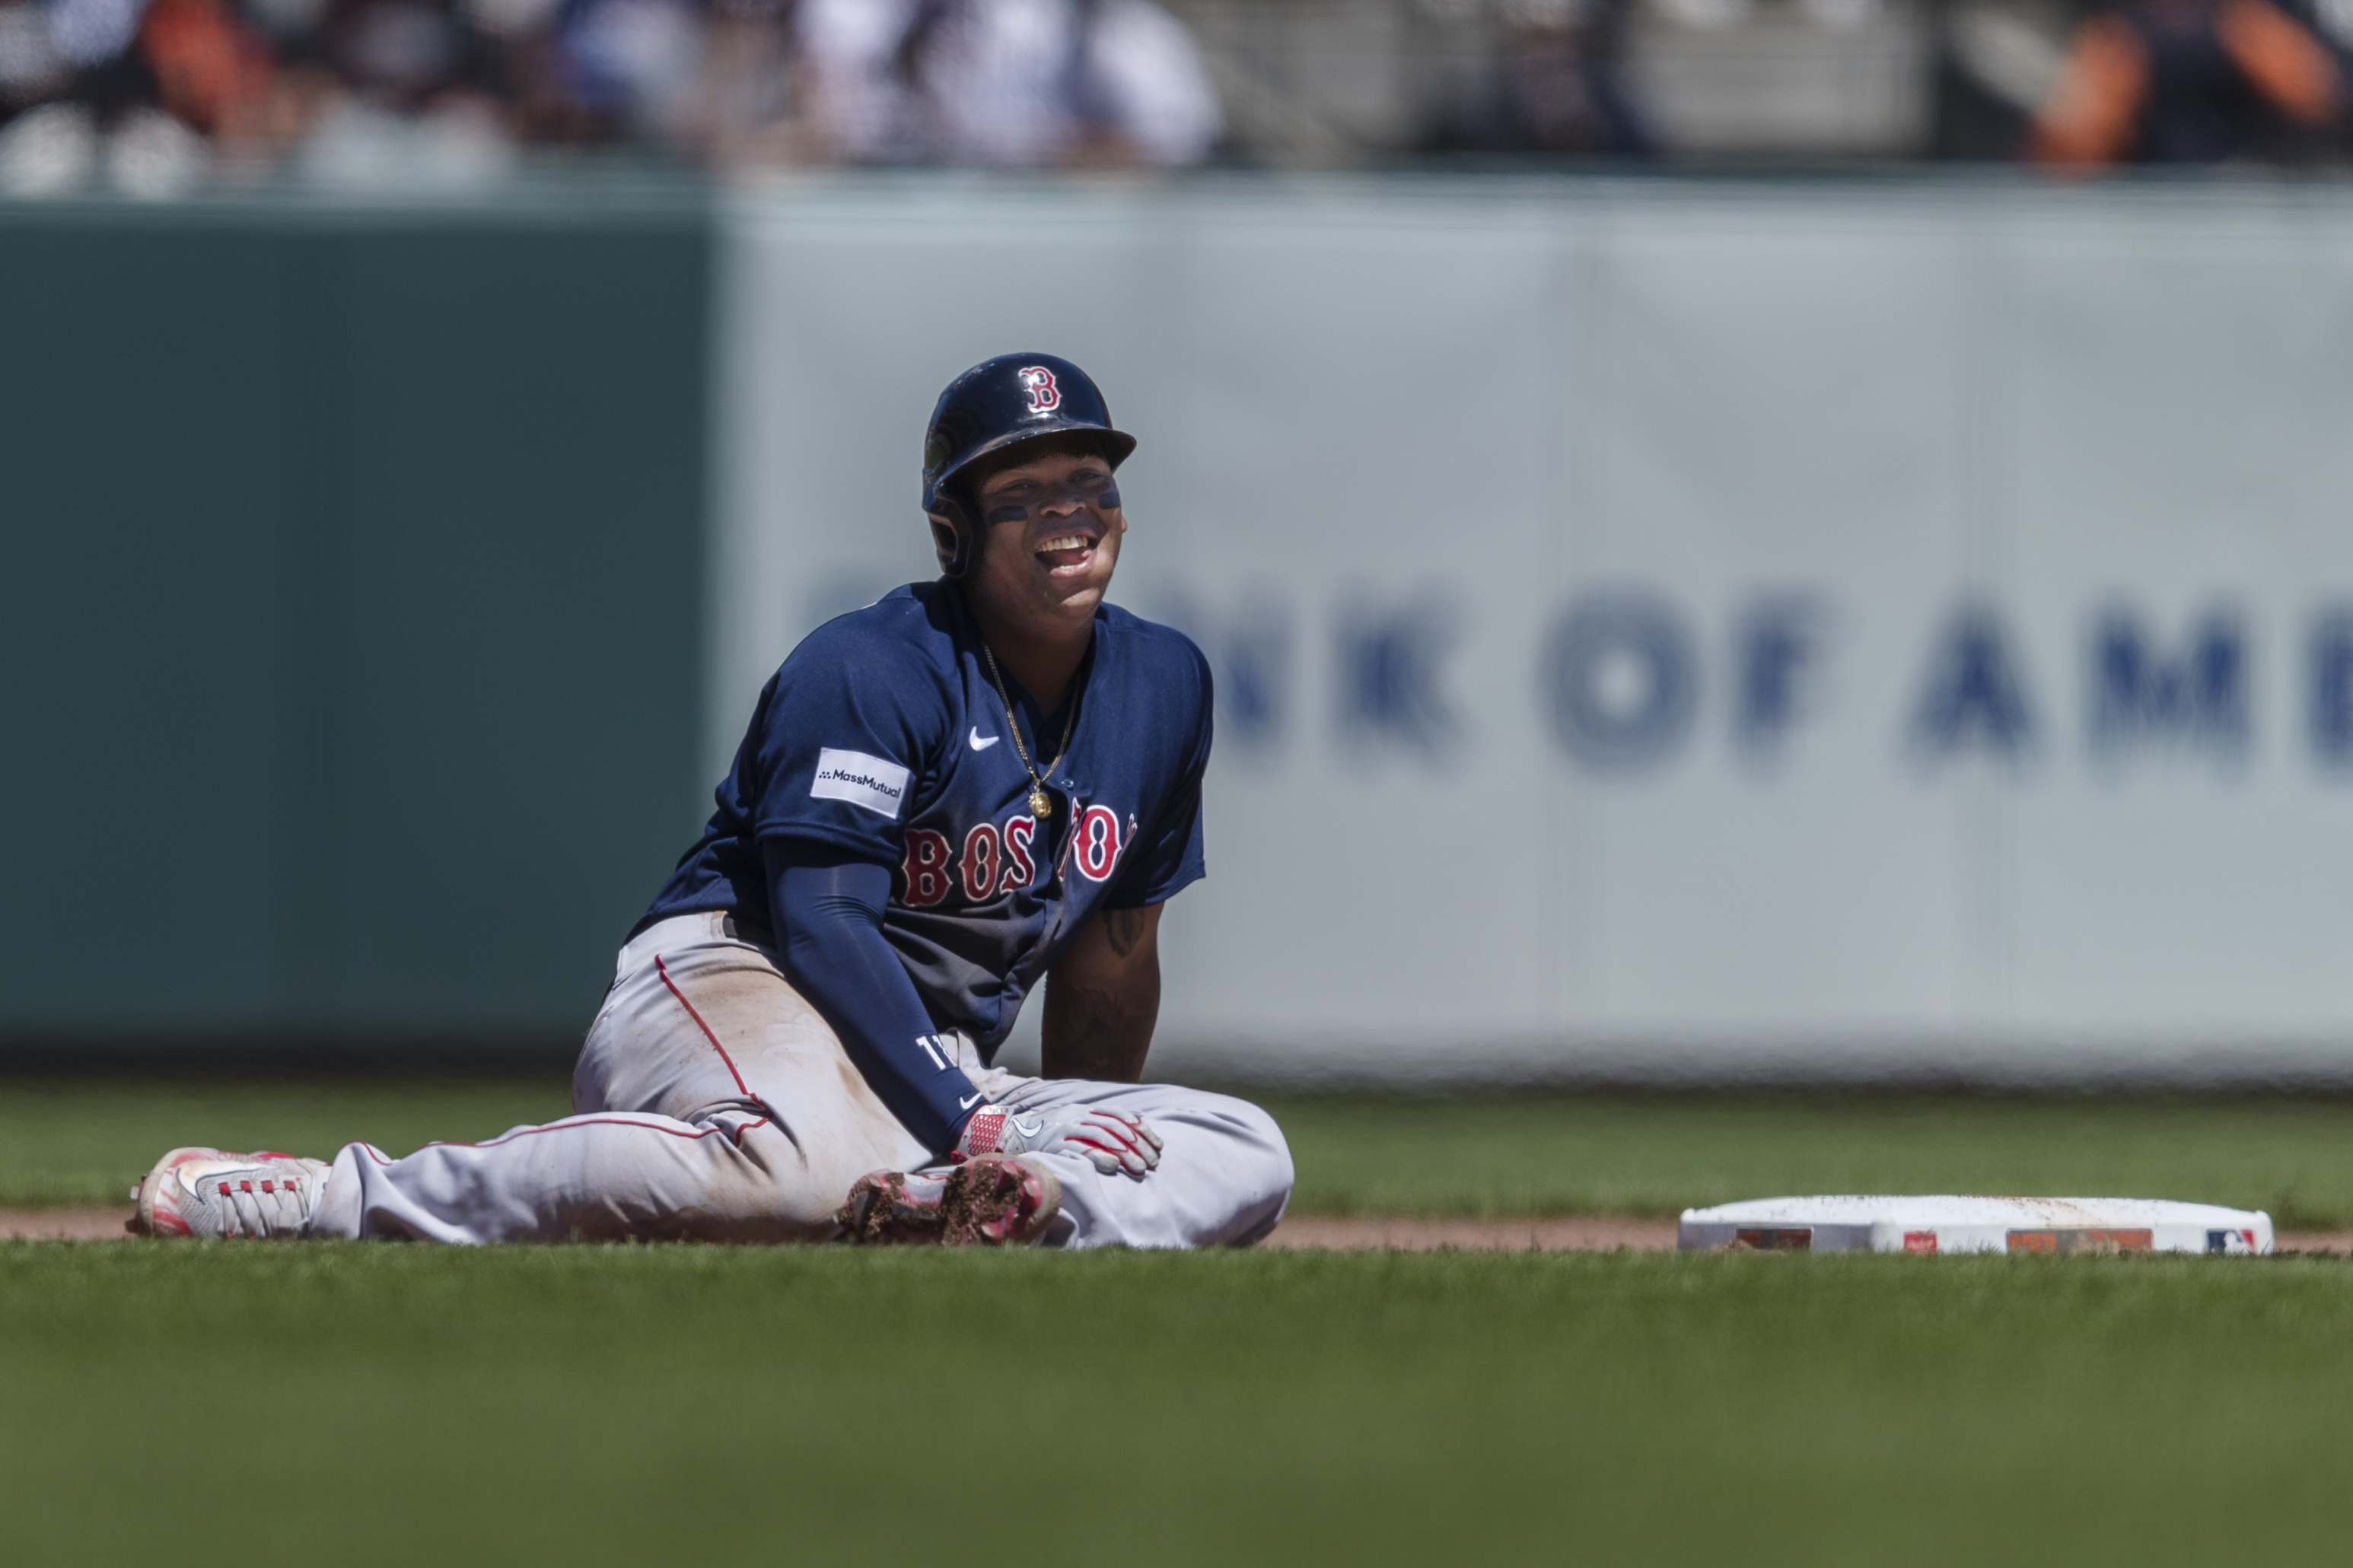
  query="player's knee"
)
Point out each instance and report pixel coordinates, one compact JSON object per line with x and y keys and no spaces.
{"x":1259,"y":1156}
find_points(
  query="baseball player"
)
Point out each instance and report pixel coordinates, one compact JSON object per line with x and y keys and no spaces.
{"x":972,"y":787}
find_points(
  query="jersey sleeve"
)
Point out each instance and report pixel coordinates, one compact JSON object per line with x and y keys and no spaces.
{"x":847,"y":744}
{"x":1167,"y":856}
{"x":829,"y":925}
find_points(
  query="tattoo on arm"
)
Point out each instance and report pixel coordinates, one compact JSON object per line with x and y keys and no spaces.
{"x":1096,"y":1035}
{"x":1102,"y":998}
{"x":1122,"y":929}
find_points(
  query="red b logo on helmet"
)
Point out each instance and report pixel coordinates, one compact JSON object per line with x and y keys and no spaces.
{"x":1039,"y":383}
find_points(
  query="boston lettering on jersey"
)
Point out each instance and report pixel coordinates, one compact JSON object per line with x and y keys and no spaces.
{"x":879,"y":740}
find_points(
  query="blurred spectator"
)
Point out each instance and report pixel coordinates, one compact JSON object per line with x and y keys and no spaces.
{"x":1996,"y":65}
{"x":1555,"y":87}
{"x":154,"y":97}
{"x":2181,"y":81}
{"x":618,"y":70}
{"x":745,"y":106}
{"x":149,"y":95}
{"x":1005,"y":83}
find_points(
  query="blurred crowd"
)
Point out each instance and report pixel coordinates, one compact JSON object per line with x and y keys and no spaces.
{"x":154,"y":95}
{"x":2189,"y":81}
{"x":2156,"y":82}
{"x":2068,"y":85}
{"x":2073,"y":85}
{"x":1556,"y":85}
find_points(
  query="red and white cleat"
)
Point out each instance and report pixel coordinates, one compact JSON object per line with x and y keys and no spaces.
{"x":992,"y":1201}
{"x":213,"y":1192}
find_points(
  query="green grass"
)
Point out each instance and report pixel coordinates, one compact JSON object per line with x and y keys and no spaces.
{"x":588,"y":1405}
{"x":1659,"y":1155}
{"x":85,"y":1139}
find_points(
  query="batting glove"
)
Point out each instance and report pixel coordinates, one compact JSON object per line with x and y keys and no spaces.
{"x":1117,"y":1143}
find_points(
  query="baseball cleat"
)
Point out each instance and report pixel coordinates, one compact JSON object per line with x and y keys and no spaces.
{"x":213,"y":1192}
{"x":992,"y":1201}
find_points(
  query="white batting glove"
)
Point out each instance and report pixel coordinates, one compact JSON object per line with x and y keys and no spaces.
{"x":1117,"y":1143}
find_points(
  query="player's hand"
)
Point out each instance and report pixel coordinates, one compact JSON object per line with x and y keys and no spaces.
{"x":1117,"y":1143}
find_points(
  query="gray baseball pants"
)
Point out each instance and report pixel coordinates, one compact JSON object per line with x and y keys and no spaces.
{"x":713,"y":1102}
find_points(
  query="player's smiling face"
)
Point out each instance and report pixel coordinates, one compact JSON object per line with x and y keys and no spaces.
{"x":1051,"y":527}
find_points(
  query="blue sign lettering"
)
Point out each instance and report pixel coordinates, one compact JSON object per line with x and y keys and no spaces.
{"x":2140,"y":695}
{"x":2332,"y":687}
{"x":1389,"y":687}
{"x":1619,"y":682}
{"x":1777,"y":640}
{"x":1249,"y":650}
{"x":1973,"y":697}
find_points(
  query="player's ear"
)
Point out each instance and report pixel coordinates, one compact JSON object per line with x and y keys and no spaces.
{"x":951,"y":537}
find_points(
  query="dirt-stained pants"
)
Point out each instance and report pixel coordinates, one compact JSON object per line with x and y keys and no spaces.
{"x":712,"y":1102}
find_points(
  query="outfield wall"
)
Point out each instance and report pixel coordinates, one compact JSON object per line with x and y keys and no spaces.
{"x":1663,"y":630}
{"x":349,"y":615}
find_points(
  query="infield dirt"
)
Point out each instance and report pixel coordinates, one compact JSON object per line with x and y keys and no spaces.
{"x":1328,"y":1233}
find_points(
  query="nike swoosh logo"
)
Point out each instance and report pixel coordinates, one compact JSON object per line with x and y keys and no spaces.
{"x":1029,"y":1131}
{"x":982,"y":743}
{"x":968,"y":1104}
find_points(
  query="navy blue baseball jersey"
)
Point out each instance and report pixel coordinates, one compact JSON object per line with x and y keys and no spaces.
{"x":883,"y":739}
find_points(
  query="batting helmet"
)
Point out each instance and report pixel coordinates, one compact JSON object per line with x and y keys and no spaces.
{"x":993,"y":405}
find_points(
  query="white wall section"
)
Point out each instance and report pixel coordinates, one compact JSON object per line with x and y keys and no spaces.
{"x":1660,"y":629}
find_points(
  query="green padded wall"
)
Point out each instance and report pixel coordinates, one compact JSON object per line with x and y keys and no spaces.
{"x":351,"y":619}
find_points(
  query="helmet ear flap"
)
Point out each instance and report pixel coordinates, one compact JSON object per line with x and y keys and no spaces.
{"x":952,"y":535}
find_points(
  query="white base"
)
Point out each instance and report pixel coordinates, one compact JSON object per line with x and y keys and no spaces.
{"x":1952,"y":1224}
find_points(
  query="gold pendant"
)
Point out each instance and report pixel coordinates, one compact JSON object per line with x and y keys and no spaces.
{"x":1038,"y":805}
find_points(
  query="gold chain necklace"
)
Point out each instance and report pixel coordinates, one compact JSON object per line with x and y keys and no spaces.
{"x":1040,"y":803}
